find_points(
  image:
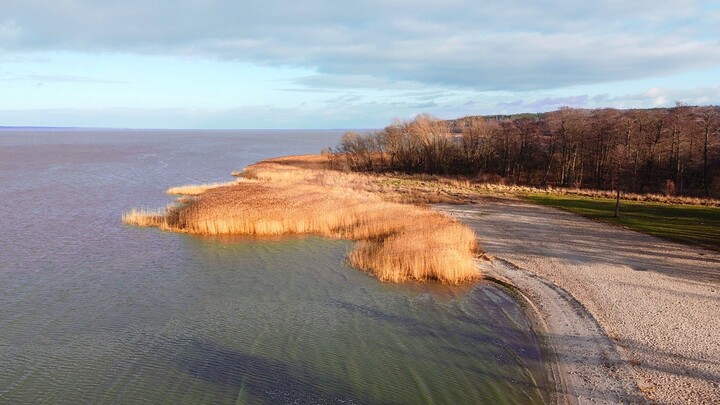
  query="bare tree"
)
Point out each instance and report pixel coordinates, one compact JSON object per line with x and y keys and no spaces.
{"x":709,"y":121}
{"x":623,"y":150}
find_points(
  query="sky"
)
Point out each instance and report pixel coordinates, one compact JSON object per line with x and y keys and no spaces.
{"x":224,"y":64}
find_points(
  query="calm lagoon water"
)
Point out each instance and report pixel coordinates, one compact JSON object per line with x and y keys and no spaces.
{"x":93,"y":311}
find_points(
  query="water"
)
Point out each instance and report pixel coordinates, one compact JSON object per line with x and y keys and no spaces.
{"x":93,"y":311}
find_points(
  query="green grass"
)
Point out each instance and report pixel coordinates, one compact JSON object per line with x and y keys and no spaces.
{"x":692,"y":224}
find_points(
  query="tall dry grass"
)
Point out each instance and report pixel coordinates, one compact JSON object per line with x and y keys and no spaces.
{"x":298,"y":195}
{"x":439,"y":189}
{"x":196,"y":189}
{"x":146,"y":217}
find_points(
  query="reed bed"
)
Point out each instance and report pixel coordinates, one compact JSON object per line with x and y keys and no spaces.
{"x":416,"y":188}
{"x":583,"y":192}
{"x":395,"y":242}
{"x":305,"y":169}
{"x":146,"y":217}
{"x":196,"y":189}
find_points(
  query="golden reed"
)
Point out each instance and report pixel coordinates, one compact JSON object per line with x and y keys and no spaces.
{"x":195,"y":189}
{"x":299,"y":194}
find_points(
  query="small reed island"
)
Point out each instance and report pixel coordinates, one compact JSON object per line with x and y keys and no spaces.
{"x":396,"y":239}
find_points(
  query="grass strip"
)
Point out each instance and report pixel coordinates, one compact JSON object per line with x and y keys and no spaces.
{"x":690,"y":224}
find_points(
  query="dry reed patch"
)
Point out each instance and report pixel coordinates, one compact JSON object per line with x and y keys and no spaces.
{"x":417,"y":188}
{"x":317,"y":170}
{"x":196,"y":189}
{"x":309,"y":170}
{"x":396,"y":242}
{"x":312,"y":162}
{"x":432,"y":249}
{"x":145,"y":217}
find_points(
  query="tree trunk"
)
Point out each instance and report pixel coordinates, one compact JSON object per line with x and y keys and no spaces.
{"x":617,"y":204}
{"x":706,"y":183}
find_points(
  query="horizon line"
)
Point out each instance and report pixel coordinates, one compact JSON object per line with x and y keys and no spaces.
{"x":50,"y":127}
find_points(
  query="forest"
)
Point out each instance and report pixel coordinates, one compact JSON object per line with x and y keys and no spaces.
{"x":674,"y":151}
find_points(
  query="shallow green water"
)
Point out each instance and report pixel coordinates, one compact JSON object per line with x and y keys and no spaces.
{"x":93,"y":311}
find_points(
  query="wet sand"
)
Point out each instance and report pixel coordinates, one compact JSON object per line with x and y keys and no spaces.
{"x":632,"y":318}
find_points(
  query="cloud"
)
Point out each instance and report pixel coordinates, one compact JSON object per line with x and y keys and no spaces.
{"x":9,"y":31}
{"x":665,"y":97}
{"x":496,"y":45}
{"x":358,"y":81}
{"x":652,"y":97}
{"x":654,"y":92}
{"x":347,"y":111}
{"x":358,"y":114}
{"x":544,"y":104}
{"x":511,"y":104}
{"x":56,"y":79}
{"x":550,"y":103}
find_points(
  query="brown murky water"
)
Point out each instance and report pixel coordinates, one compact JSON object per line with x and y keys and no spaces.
{"x":92,"y":311}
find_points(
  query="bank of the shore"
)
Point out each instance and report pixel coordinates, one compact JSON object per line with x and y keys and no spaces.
{"x":632,"y":318}
{"x":580,"y":358}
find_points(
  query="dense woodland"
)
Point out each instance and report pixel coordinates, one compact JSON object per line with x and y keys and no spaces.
{"x":664,"y":150}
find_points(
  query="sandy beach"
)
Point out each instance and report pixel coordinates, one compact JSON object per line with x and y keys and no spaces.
{"x":632,"y":318}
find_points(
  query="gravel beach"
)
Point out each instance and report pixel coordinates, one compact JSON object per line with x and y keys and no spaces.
{"x":632,"y":318}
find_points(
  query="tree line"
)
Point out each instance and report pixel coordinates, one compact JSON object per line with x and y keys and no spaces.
{"x":663,"y":150}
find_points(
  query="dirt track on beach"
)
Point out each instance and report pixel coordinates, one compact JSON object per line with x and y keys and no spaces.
{"x":632,"y":317}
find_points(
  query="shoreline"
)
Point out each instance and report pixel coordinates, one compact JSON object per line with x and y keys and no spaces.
{"x":555,"y":315}
{"x":302,"y":171}
{"x":555,"y":391}
{"x":630,"y":316}
{"x":582,"y":284}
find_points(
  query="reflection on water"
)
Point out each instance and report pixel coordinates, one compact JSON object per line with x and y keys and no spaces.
{"x":95,"y":311}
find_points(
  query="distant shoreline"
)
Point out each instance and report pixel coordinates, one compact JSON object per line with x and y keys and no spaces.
{"x":85,"y":129}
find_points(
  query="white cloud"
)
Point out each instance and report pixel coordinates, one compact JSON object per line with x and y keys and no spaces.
{"x":662,"y":97}
{"x":37,"y":78}
{"x":9,"y":31}
{"x":496,"y":45}
{"x":654,"y":92}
